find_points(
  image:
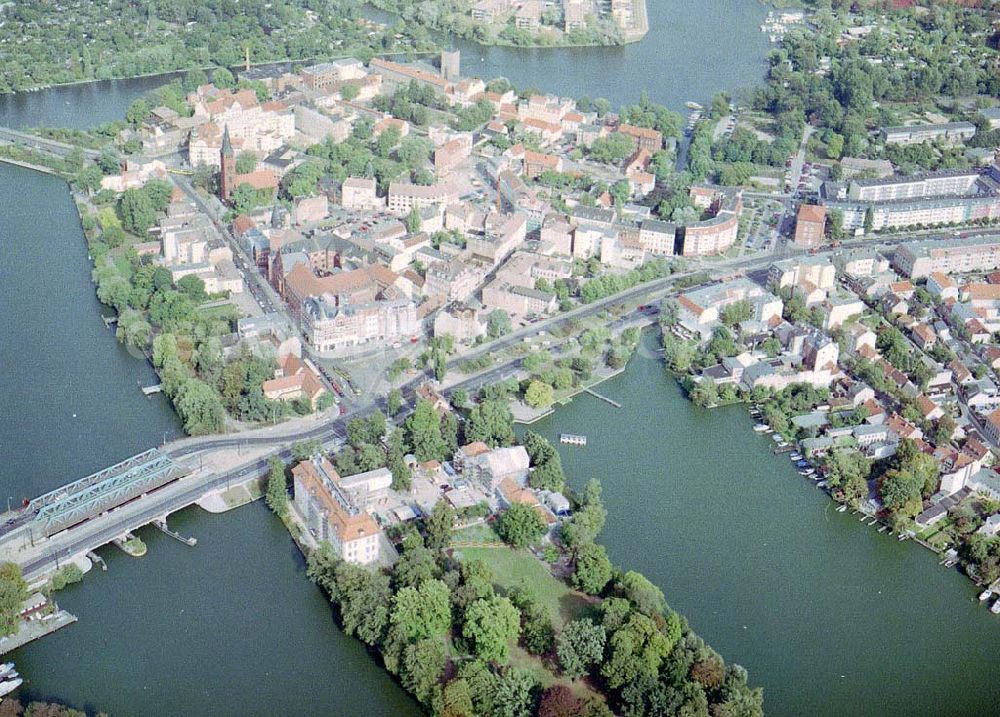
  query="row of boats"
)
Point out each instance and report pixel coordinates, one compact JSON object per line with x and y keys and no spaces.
{"x":804,"y":467}
{"x":986,"y":595}
{"x":9,"y":679}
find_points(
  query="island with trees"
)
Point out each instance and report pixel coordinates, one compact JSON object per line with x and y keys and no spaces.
{"x":519,"y":620}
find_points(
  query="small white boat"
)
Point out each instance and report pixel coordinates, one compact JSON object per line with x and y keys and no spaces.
{"x":762,"y":428}
{"x":985,"y":595}
{"x":693,"y":106}
{"x":996,"y":607}
{"x":6,"y":669}
{"x":795,"y":456}
{"x":842,"y":509}
{"x":778,"y":438}
{"x":8,"y":686}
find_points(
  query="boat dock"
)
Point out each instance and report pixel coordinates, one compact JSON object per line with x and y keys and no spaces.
{"x":150,"y":390}
{"x":35,"y":628}
{"x":595,"y":394}
{"x":572,"y":439}
{"x":162,"y":525}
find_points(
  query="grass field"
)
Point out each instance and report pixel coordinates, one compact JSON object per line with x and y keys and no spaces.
{"x":517,"y":568}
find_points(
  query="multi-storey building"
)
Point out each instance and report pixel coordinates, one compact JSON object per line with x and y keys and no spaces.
{"x":810,"y":223}
{"x":920,"y":258}
{"x":948,"y":132}
{"x":330,"y":514}
{"x":404,"y":196}
{"x":718,"y":233}
{"x":331,"y":325}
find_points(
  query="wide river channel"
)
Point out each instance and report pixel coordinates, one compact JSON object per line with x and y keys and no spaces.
{"x":828,"y":616}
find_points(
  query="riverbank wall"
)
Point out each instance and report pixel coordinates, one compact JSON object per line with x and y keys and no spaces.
{"x":34,"y":167}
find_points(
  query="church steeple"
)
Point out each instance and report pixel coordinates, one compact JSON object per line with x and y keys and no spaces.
{"x":227,"y":163}
{"x":227,"y":145}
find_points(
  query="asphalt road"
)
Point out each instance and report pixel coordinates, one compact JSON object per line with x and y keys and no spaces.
{"x":51,"y":146}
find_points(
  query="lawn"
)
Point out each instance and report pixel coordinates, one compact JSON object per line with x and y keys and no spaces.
{"x":481,"y":533}
{"x":514,"y":568}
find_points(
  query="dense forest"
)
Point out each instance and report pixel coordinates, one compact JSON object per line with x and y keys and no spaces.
{"x":58,"y":41}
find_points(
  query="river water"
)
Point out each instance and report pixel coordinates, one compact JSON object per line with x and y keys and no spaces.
{"x":828,"y":616}
{"x":693,"y":50}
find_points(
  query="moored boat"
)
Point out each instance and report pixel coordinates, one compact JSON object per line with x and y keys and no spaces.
{"x":985,"y":595}
{"x":996,"y":607}
{"x":762,"y":428}
{"x":8,"y":686}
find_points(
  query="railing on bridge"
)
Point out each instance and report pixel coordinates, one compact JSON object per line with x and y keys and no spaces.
{"x":103,"y":490}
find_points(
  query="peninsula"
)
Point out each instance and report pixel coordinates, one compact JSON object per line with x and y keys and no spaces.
{"x":354,"y":276}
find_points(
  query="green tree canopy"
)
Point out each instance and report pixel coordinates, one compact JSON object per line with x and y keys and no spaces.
{"x":492,"y":624}
{"x":520,"y":525}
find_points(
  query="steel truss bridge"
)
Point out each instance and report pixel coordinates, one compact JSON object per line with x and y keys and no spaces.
{"x":108,"y":488}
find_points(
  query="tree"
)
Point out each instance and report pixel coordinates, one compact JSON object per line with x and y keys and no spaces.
{"x":223,"y":78}
{"x":413,"y":221}
{"x":539,"y":394}
{"x":13,"y":593}
{"x":394,"y":401}
{"x":636,"y":648}
{"x":512,"y":694}
{"x":498,"y":323}
{"x":200,"y":407}
{"x":424,"y":611}
{"x":944,"y":429}
{"x":136,"y":211}
{"x":491,"y":422}
{"x":417,"y":565}
{"x":588,"y":520}
{"x":246,"y":162}
{"x":422,"y":665}
{"x":244,"y":198}
{"x":194,"y":287}
{"x":642,"y":593}
{"x":737,"y":313}
{"x":439,"y":526}
{"x":592,"y":568}
{"x":847,"y":466}
{"x":579,"y":647}
{"x":277,"y":489}
{"x":835,"y":220}
{"x":869,"y":220}
{"x":491,"y":624}
{"x":423,"y":429}
{"x":364,"y":598}
{"x":137,"y":112}
{"x":520,"y":525}
{"x":349,"y":92}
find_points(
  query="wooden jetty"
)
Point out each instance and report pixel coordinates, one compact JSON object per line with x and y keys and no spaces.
{"x":572,"y":439}
{"x":595,"y":394}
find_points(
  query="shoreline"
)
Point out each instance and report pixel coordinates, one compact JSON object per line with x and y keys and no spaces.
{"x":906,"y":535}
{"x":628,"y":36}
{"x":205,"y":68}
